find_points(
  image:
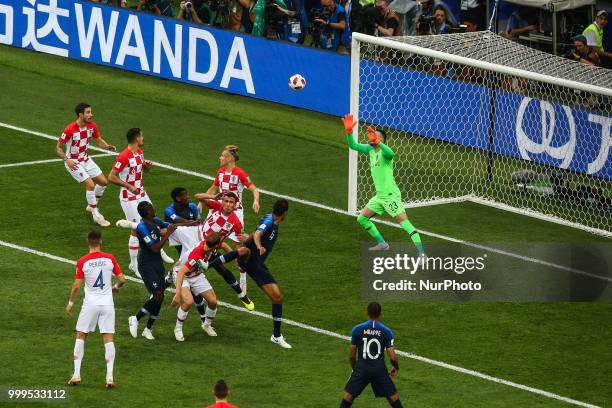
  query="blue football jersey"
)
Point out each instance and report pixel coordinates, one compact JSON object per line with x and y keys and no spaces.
{"x":269,"y":236}
{"x":149,"y":235}
{"x":372,"y":338}
{"x":189,"y":213}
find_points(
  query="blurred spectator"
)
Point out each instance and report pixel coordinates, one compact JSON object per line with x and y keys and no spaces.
{"x":519,"y":24}
{"x":195,"y":11}
{"x":439,"y":24}
{"x":407,"y":11}
{"x":594,"y":36}
{"x":428,"y":9}
{"x":583,"y":53}
{"x":258,"y":14}
{"x":387,"y":21}
{"x":158,"y":7}
{"x":334,"y":26}
{"x":221,"y":393}
{"x":114,"y":3}
{"x":469,"y":22}
{"x":477,"y":12}
{"x":238,"y":9}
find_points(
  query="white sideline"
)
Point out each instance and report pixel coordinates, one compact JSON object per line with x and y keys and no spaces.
{"x":46,"y":161}
{"x":341,"y":211}
{"x":342,"y":337}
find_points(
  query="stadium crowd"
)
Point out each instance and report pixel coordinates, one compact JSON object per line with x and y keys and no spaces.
{"x":328,"y":24}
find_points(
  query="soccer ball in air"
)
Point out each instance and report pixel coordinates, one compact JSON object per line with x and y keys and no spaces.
{"x":297,"y":82}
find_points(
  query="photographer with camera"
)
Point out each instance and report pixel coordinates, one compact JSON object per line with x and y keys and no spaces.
{"x":157,"y":7}
{"x":583,"y":53}
{"x":439,"y":23}
{"x":333,"y":23}
{"x":195,"y":11}
{"x":387,"y":22}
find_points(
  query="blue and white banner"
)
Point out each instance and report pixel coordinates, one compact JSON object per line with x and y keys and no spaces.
{"x":179,"y":51}
{"x":458,"y":112}
{"x":554,"y":134}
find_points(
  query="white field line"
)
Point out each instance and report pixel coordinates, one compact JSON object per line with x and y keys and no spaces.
{"x":342,"y":337}
{"x":28,"y":163}
{"x":344,"y":212}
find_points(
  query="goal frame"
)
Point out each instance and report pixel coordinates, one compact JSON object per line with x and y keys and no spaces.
{"x":359,"y":38}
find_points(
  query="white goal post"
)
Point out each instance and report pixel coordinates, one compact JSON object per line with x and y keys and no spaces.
{"x":476,"y":117}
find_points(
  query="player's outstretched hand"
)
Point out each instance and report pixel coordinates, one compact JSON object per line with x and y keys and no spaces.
{"x":111,"y":148}
{"x":147,"y":164}
{"x":171,"y":228}
{"x":349,"y":123}
{"x":68,"y":308}
{"x":176,"y":300}
{"x":372,"y":137}
{"x":256,"y":206}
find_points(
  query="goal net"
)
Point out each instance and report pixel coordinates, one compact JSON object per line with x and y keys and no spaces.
{"x":477,"y":117}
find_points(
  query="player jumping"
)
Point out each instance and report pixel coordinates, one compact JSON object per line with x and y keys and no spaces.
{"x":231,"y":178}
{"x":96,"y":269}
{"x":78,"y":163}
{"x":367,"y":358}
{"x":127,"y":173}
{"x":260,"y":244}
{"x":388,"y":197}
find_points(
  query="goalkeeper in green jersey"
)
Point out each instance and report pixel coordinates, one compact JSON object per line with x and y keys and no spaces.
{"x":388,"y":197}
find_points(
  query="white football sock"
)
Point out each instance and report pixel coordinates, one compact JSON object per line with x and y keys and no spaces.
{"x":109,"y":355}
{"x":181,"y":315}
{"x":93,"y":203}
{"x":99,"y":191}
{"x":210,"y":315}
{"x":133,"y":246}
{"x":79,"y":352}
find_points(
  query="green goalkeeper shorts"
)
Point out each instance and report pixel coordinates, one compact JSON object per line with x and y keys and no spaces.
{"x":391,"y":204}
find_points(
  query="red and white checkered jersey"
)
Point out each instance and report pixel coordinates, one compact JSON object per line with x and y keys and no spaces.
{"x":234,"y":181}
{"x":77,"y":140}
{"x":219,"y":222}
{"x":129,"y":165}
{"x":97,"y":269}
{"x":196,"y":255}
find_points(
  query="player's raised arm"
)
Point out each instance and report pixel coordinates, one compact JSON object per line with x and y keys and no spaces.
{"x":349,"y":125}
{"x":255,"y":197}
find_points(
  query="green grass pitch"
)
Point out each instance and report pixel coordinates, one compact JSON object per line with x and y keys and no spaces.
{"x":562,"y":348}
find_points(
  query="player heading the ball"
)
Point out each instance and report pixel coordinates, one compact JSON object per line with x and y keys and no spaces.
{"x":388,"y":198}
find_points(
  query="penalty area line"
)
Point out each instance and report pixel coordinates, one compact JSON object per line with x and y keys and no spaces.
{"x":344,"y":212}
{"x":339,"y":336}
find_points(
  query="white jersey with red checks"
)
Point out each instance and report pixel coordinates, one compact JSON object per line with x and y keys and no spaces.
{"x":97,"y":269}
{"x":233,"y":181}
{"x":129,"y":165}
{"x":219,"y":222}
{"x":196,"y":254}
{"x":77,"y":140}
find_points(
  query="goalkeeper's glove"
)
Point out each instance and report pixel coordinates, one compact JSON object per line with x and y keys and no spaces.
{"x":203,"y":265}
{"x":372,"y":137}
{"x":349,"y":123}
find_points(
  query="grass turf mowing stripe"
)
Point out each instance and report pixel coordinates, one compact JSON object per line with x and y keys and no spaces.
{"x":344,"y":212}
{"x":342,"y":337}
